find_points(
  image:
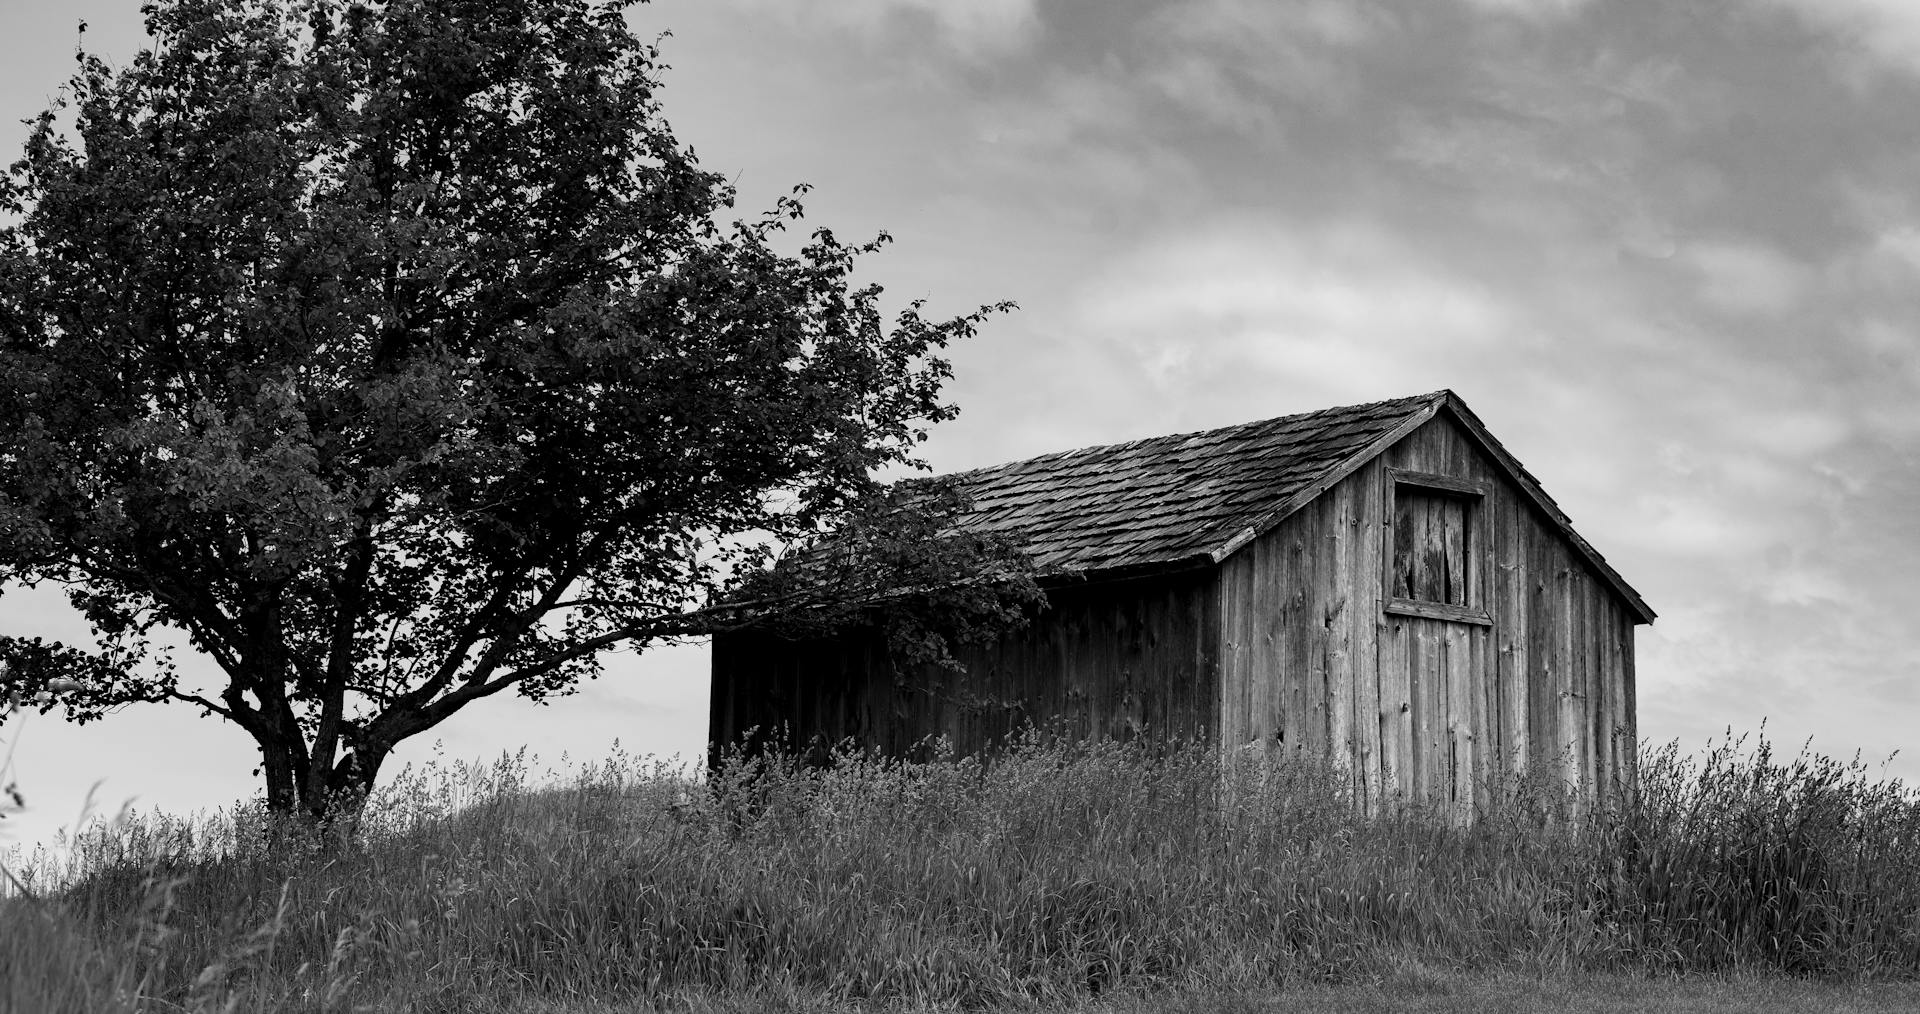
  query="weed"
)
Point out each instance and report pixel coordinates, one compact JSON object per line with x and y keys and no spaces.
{"x":1047,"y":874}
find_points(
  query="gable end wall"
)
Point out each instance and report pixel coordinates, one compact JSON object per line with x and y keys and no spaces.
{"x":1418,"y":707}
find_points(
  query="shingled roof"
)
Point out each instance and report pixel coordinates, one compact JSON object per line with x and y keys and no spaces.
{"x":1191,"y":499}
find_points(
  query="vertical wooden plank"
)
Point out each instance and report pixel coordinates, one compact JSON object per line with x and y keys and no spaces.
{"x":1490,"y":733}
{"x":1233,"y":697}
{"x":1419,"y":685}
{"x":1434,"y":716}
{"x":1567,"y":734}
{"x":1244,"y":624}
{"x":1429,"y":579}
{"x":1259,"y":679}
{"x":1217,"y":643}
{"x":1288,"y":595}
{"x":1606,"y":667}
{"x":1582,"y":658}
{"x":1201,"y":719}
{"x":1629,"y":705}
{"x":1624,"y":744}
{"x":1268,"y":625}
{"x":1426,"y":447}
{"x":1437,"y":693}
{"x":1413,"y":516}
{"x":1616,"y":748}
{"x":1309,"y":631}
{"x":1461,"y":726}
{"x":1192,"y":716}
{"x":1467,"y":690}
{"x":1283,"y":581}
{"x":1259,"y":672}
{"x":1542,"y":612}
{"x":1600,"y":640}
{"x":1365,"y":618}
{"x":1438,"y":680}
{"x":1299,"y":590}
{"x":1496,"y":584}
{"x":1338,"y":626}
{"x":1267,"y":622}
{"x":1453,"y":551}
{"x":1622,"y":747}
{"x":1545,"y":625}
{"x":1594,"y":637}
{"x":1233,"y":674}
{"x":1512,"y":571}
{"x":1411,"y":674}
{"x":1403,"y":531}
{"x":1396,"y":712}
{"x":1579,"y":736}
{"x":1502,"y":738}
{"x":1173,"y":693}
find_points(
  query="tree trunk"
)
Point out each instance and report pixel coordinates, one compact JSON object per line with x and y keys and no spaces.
{"x":323,"y":812}
{"x":281,"y":771}
{"x":337,"y":809}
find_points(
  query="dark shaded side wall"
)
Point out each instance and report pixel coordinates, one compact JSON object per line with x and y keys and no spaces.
{"x":1114,"y":660}
{"x":1419,"y":707}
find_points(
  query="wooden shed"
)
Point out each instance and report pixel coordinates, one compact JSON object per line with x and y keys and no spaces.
{"x":1382,"y":583}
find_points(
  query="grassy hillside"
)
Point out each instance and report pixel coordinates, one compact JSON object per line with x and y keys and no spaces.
{"x":1055,"y":875}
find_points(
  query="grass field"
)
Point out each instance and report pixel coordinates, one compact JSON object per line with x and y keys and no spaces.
{"x":1056,"y":877}
{"x":1598,"y":994}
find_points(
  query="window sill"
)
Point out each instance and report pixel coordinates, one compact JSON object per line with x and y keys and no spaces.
{"x":1437,"y":611}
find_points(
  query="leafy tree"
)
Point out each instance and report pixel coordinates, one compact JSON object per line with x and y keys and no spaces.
{"x":399,"y":355}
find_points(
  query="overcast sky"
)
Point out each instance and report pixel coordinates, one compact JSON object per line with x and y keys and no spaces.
{"x":1669,"y":253}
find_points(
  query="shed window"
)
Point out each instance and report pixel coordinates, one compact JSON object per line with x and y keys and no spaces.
{"x":1435,"y":543}
{"x":1432,"y":544}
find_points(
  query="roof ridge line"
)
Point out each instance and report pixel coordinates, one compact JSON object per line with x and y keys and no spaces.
{"x":1430,"y":396}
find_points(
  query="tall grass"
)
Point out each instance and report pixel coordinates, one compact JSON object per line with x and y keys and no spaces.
{"x":1052,"y":873}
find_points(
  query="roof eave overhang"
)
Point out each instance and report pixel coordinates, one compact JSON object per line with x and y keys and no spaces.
{"x":1073,"y":577}
{"x":1642,"y":612}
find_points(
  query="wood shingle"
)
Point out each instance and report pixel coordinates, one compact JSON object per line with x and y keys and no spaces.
{"x":1191,"y":499}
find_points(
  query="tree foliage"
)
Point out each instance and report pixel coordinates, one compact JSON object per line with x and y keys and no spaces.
{"x":399,"y":355}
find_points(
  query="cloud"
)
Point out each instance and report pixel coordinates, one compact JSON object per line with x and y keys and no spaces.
{"x":1078,"y":148}
{"x":1886,"y":30}
{"x":1268,"y":315}
{"x":1746,"y":278}
{"x":1538,"y":10}
{"x":1494,"y":148}
{"x":1697,"y":525}
{"x":1247,"y":26}
{"x":1900,"y":247}
{"x":1572,"y":131}
{"x":1237,"y":63}
{"x":976,"y":28}
{"x":1806,"y":586}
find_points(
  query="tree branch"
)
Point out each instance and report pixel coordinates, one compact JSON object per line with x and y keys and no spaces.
{"x":199,"y":701}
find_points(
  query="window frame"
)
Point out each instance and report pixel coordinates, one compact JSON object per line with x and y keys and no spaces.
{"x":1473,"y":493}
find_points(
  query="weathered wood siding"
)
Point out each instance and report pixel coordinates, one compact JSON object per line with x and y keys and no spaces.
{"x":1299,"y":615}
{"x":1112,"y":660}
{"x":1416,"y":706}
{"x":1487,"y":646}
